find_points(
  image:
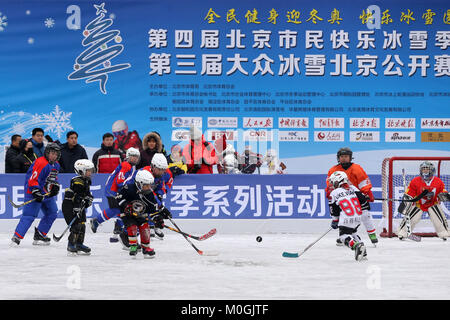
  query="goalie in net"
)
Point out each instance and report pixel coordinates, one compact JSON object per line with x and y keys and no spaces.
{"x":430,"y":202}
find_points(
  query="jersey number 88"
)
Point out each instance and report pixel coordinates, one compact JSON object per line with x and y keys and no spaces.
{"x":350,"y":208}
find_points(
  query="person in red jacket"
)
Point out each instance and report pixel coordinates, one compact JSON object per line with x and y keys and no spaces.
{"x":106,"y":159}
{"x":199,"y":155}
{"x":124,"y":139}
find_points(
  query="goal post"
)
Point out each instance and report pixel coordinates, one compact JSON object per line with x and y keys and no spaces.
{"x":392,"y":188}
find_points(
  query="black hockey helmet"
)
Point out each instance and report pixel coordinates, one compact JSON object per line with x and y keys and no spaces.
{"x":344,"y":151}
{"x":52,"y":147}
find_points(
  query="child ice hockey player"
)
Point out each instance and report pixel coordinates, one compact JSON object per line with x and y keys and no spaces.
{"x":77,"y":199}
{"x":137,"y":201}
{"x":345,"y":209}
{"x":429,"y":203}
{"x":41,"y":186}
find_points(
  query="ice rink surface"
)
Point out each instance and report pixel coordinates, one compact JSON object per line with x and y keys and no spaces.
{"x":244,"y":269}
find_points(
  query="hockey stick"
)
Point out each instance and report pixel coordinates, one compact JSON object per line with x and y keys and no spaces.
{"x":298,"y":254}
{"x":67,"y":228}
{"x":200,"y":252}
{"x":417,"y":198}
{"x":25,"y":203}
{"x":408,"y":218}
{"x":198,"y":238}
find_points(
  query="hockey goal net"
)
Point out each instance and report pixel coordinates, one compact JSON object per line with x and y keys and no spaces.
{"x":392,"y":188}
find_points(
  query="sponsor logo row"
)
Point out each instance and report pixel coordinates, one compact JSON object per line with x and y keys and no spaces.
{"x":304,"y":136}
{"x":319,"y":123}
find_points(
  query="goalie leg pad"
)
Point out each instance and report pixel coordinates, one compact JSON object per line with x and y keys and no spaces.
{"x":415,"y":214}
{"x":439,"y":220}
{"x":404,"y":206}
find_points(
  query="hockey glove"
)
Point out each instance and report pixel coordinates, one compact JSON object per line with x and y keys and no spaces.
{"x":54,"y":190}
{"x":429,"y":195}
{"x":444,"y":196}
{"x":88,"y":201}
{"x":334,"y":224}
{"x":77,"y":212}
{"x":165,"y":213}
{"x":370,"y":196}
{"x":158,"y":220}
{"x":129,"y":210}
{"x":37,"y":194}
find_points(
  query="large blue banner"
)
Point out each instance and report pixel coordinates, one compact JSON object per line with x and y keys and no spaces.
{"x":301,"y":78}
{"x":213,"y":196}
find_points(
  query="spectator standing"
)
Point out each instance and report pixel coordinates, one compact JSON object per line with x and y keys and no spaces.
{"x":71,"y":151}
{"x":124,"y":139}
{"x":12,"y":154}
{"x":26,"y":157}
{"x":37,"y":138}
{"x":106,"y":159}
{"x":151,"y":144}
{"x":199,"y":154}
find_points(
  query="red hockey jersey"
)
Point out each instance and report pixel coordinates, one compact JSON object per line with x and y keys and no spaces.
{"x":416,"y":187}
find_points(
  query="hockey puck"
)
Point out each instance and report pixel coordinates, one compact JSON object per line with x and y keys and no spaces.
{"x":258,"y":238}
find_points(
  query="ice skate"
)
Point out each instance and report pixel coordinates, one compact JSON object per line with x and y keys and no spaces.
{"x":40,"y":239}
{"x":81,"y":249}
{"x":159,"y":234}
{"x":15,"y":241}
{"x":360,"y":251}
{"x":373,"y":238}
{"x":148,"y":253}
{"x":117,"y":227}
{"x":71,"y":250}
{"x":123,"y":237}
{"x":117,"y":230}
{"x":339,"y":243}
{"x":94,"y":224}
{"x":133,"y":251}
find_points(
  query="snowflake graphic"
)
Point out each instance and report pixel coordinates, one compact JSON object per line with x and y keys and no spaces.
{"x":49,"y":22}
{"x":19,"y":128}
{"x":3,"y":22}
{"x":56,"y":121}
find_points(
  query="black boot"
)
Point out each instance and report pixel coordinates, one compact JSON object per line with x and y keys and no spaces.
{"x":40,"y":239}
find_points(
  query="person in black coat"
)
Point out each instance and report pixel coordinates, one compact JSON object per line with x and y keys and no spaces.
{"x":71,"y":151}
{"x":26,"y":157}
{"x":151,"y":144}
{"x":12,"y":153}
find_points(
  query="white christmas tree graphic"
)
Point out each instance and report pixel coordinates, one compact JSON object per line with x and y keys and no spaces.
{"x":94,"y":63}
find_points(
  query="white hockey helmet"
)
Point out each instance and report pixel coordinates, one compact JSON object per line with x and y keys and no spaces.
{"x":430,"y":172}
{"x":81,"y":166}
{"x":144,"y":177}
{"x":119,"y":125}
{"x":338,"y":178}
{"x":159,"y":161}
{"x":133,"y":152}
